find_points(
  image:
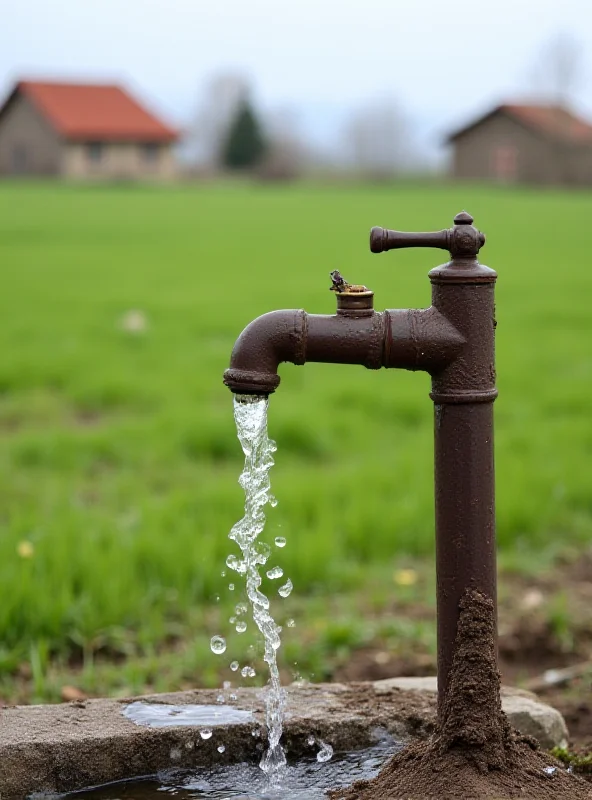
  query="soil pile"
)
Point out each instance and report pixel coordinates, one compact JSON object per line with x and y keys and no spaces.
{"x":473,"y":754}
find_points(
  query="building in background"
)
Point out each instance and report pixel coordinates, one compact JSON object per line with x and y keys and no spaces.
{"x":80,"y":130}
{"x":534,"y":144}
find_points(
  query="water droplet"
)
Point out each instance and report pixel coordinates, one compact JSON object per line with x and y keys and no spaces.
{"x":189,"y":745}
{"x":221,"y":748}
{"x":241,"y":626}
{"x":217,"y":598}
{"x":276,"y":572}
{"x":226,"y":685}
{"x":286,"y":589}
{"x":223,"y":573}
{"x":280,"y":541}
{"x":233,"y":697}
{"x":549,"y":770}
{"x":241,"y":608}
{"x":325,"y":753}
{"x":234,"y":666}
{"x":218,"y":645}
{"x":232,"y":620}
{"x":273,"y":501}
{"x":220,"y":699}
{"x":291,"y":623}
{"x":310,"y":741}
{"x":255,"y":733}
{"x":206,"y":733}
{"x":231,"y":587}
{"x":248,"y":672}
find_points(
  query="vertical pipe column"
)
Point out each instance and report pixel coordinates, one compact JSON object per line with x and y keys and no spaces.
{"x":463,"y":395}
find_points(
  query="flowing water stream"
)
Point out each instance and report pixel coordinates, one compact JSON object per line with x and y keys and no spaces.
{"x":250,"y":414}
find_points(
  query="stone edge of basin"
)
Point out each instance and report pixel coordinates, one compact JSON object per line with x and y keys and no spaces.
{"x":60,"y":748}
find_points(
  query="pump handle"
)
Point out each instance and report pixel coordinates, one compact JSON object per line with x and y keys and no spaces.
{"x":462,"y":241}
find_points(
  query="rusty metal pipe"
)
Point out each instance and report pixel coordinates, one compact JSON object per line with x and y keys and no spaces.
{"x":453,"y":341}
{"x":410,"y":339}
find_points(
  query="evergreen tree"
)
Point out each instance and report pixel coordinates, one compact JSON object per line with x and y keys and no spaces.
{"x":245,"y":144}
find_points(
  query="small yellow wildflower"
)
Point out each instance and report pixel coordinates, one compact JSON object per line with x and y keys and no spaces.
{"x":405,"y":577}
{"x":25,"y":549}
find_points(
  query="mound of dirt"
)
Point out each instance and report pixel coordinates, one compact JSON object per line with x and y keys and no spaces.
{"x":473,"y":754}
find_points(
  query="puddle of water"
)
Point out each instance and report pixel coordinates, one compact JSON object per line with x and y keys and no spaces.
{"x":160,"y":715}
{"x":306,"y":779}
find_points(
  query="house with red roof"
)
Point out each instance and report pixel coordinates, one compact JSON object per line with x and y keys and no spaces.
{"x":533,"y":144}
{"x":82,"y":130}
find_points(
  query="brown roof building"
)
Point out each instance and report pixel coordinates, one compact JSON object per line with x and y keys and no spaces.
{"x":82,"y":131}
{"x":525,"y":144}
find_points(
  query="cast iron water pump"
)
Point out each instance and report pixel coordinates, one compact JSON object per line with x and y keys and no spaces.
{"x":453,"y":341}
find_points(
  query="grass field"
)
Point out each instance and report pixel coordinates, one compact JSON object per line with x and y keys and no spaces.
{"x":118,"y":457}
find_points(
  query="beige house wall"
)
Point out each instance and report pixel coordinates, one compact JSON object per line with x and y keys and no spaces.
{"x":28,"y":144}
{"x":580,"y":166}
{"x":123,"y":161}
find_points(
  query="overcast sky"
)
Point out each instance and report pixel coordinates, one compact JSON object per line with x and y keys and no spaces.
{"x":444,"y":60}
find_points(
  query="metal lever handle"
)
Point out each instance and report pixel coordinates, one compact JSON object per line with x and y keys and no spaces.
{"x":462,"y":241}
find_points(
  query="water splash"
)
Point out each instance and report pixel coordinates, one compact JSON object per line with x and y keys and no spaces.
{"x":325,"y":752}
{"x":306,"y":779}
{"x":250,"y":414}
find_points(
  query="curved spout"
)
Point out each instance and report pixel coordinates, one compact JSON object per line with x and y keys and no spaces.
{"x":267,"y":341}
{"x":414,"y":339}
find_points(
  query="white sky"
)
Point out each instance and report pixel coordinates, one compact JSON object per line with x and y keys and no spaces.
{"x":443,"y":59}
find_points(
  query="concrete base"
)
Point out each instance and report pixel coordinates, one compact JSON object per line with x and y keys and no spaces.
{"x":67,"y":747}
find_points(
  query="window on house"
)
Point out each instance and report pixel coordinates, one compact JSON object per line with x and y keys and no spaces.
{"x":505,"y":162}
{"x":150,"y":152}
{"x":95,"y":152}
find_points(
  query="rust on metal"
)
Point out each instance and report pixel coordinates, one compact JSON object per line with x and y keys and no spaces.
{"x":453,"y":341}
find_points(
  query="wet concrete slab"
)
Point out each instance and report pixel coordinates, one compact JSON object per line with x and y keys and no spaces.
{"x":60,"y":748}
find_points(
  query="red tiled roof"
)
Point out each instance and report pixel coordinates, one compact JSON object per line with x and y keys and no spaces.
{"x":554,"y":122}
{"x":95,"y":112}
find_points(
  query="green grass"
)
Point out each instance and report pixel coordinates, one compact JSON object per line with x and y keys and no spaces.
{"x":118,"y":458}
